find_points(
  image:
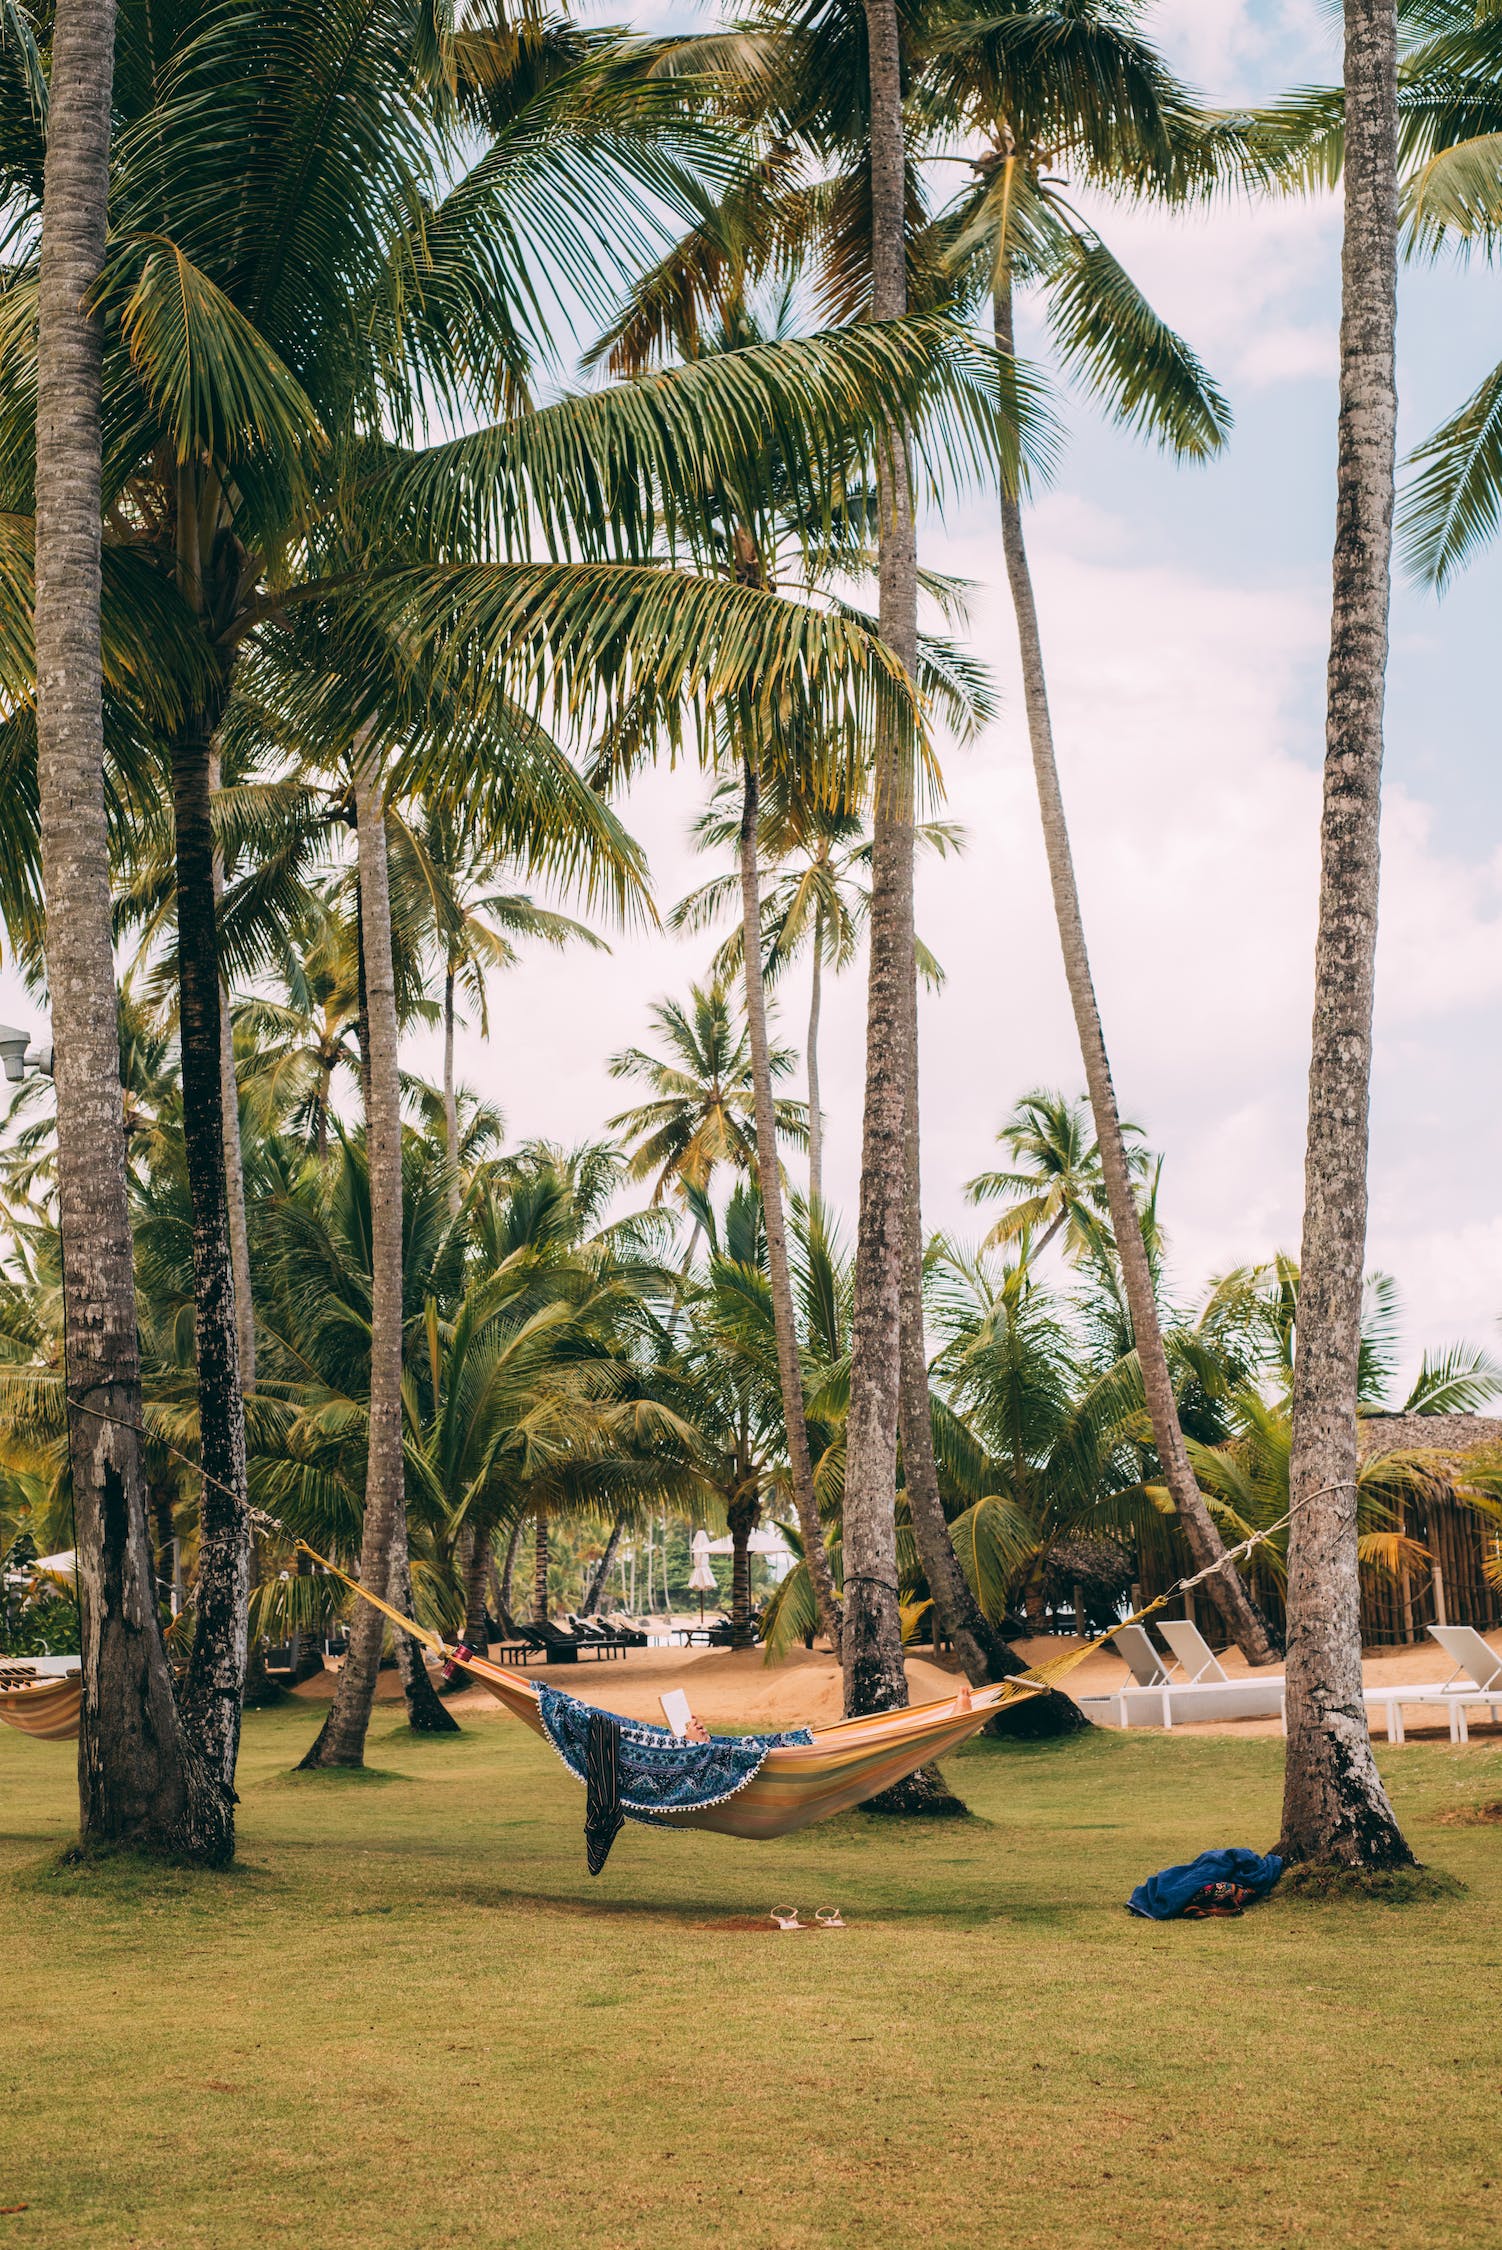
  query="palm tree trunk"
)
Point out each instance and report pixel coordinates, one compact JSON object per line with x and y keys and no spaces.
{"x":540,"y":1567}
{"x":234,"y":1161}
{"x":815,"y":1111}
{"x":342,"y":1740}
{"x":258,"y":1689}
{"x":140,"y":1781}
{"x":215,"y":1682}
{"x":504,"y":1596}
{"x":476,"y":1581}
{"x":784,"y":1321}
{"x":596,"y":1588}
{"x":742,"y":1516}
{"x":1226,"y":1588}
{"x":872,"y":1640}
{"x":450,"y":1098}
{"x":1334,"y":1805}
{"x":426,"y":1710}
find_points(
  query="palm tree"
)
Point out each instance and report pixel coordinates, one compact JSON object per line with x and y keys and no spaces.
{"x":140,"y":1782}
{"x":1056,"y":1185}
{"x":1335,"y":1807}
{"x":1046,"y":85}
{"x":703,"y":1110}
{"x":769,"y":1181}
{"x":341,"y":1741}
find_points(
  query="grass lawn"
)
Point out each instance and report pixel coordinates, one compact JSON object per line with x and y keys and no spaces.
{"x":410,"y":2018}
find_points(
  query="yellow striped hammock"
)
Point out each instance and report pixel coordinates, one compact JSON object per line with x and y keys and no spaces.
{"x":47,"y":1709}
{"x":798,"y":1783}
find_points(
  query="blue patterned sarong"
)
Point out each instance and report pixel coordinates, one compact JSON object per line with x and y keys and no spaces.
{"x":657,"y":1772}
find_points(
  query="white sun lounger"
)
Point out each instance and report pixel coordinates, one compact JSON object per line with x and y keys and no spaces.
{"x":1470,"y":1653}
{"x":1473,"y":1655}
{"x":1196,"y":1659}
{"x":1156,"y":1699}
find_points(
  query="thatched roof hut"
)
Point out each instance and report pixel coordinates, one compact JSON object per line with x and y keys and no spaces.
{"x":1454,"y":1588}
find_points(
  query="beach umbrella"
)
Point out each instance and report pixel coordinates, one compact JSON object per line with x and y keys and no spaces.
{"x":701,"y":1577}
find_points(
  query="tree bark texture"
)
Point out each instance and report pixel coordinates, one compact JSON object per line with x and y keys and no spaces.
{"x":742,"y":1516}
{"x":506,"y":1620}
{"x":1226,"y":1588}
{"x":540,"y":1567}
{"x":426,"y":1711}
{"x":215,"y":1681}
{"x":779,"y":1271}
{"x":872,"y":1637}
{"x":140,"y":1783}
{"x":258,"y":1689}
{"x":342,"y":1741}
{"x":478,"y":1563}
{"x":1334,"y":1807}
{"x":815,"y":1111}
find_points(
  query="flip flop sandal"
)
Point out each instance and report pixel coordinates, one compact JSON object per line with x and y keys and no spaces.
{"x":786,"y":1918}
{"x":830,"y":1918}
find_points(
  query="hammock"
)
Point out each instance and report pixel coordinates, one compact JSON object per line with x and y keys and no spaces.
{"x":798,"y":1783}
{"x":47,"y":1709}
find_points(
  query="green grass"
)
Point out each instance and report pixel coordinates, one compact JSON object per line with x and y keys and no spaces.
{"x":408,"y":2018}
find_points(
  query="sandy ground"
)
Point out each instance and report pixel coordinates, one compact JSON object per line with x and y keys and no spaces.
{"x":738,"y":1688}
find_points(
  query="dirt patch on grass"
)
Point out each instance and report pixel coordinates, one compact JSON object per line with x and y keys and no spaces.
{"x":1488,"y":1815}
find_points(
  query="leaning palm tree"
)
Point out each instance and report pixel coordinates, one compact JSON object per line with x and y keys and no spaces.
{"x":1048,"y":86}
{"x":1335,"y":1808}
{"x":140,"y":1781}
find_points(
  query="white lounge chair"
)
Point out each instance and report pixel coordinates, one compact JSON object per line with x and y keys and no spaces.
{"x":1470,"y":1653}
{"x":1197,"y":1660}
{"x":1154,"y":1698}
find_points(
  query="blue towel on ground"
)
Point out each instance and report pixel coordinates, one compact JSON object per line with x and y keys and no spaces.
{"x":1165,"y":1895}
{"x":655,"y":1772}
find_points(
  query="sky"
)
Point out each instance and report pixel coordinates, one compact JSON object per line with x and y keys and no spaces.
{"x":1185,"y":619}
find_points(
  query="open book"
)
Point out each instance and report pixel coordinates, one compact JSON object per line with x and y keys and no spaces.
{"x":676,"y":1710}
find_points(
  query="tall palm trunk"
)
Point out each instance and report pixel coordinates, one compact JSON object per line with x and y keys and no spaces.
{"x":426,"y":1711}
{"x":872,"y":1639}
{"x":476,"y":1581}
{"x":234,"y":1187}
{"x":342,"y":1740}
{"x":594,"y":1593}
{"x":784,"y":1321}
{"x":140,"y":1781}
{"x":257,"y":1688}
{"x":1226,"y":1588}
{"x":450,"y":1096}
{"x":540,"y":1567}
{"x":215,"y":1682}
{"x":815,"y":1109}
{"x":504,"y":1596}
{"x":1334,"y":1805}
{"x":742,"y":1515}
